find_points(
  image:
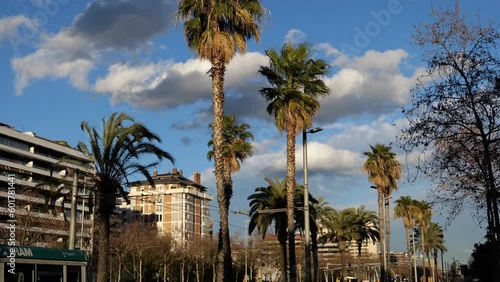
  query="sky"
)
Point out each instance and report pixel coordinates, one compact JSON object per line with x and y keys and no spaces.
{"x":67,"y":61}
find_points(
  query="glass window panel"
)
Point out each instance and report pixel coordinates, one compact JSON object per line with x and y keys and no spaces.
{"x":49,"y":273}
{"x":23,"y":273}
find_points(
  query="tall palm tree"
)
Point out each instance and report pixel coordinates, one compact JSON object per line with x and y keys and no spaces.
{"x":296,"y":84}
{"x":406,"y":209}
{"x":215,"y":30}
{"x":271,"y":197}
{"x":236,"y":148}
{"x":115,"y":153}
{"x":383,"y":171}
{"x":424,"y":215}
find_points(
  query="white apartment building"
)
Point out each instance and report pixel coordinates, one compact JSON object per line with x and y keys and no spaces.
{"x":33,"y":170}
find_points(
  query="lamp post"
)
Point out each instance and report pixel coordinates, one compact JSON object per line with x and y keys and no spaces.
{"x":307,"y":234}
{"x":246,"y":249}
{"x":415,"y":257}
{"x":247,"y":221}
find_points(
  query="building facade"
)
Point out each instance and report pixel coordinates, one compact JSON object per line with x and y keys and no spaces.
{"x":35,"y":185}
{"x":179,"y":206}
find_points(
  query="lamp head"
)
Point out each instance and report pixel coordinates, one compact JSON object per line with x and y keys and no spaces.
{"x":314,"y":130}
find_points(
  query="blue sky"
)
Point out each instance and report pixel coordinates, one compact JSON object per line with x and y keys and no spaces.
{"x":67,"y":61}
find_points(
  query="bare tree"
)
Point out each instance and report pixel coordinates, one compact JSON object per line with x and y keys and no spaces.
{"x":454,"y":117}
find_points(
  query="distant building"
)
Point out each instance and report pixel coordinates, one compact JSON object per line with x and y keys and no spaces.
{"x":33,"y":170}
{"x":179,"y":206}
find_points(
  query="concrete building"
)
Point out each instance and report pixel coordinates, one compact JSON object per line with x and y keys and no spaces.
{"x":34,"y":172}
{"x":179,"y":206}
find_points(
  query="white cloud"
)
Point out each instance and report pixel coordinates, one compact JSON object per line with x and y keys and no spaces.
{"x":74,"y":51}
{"x":295,"y":36}
{"x":49,"y":63}
{"x":130,"y":79}
{"x":167,"y":84}
{"x":9,"y":26}
{"x":323,"y":158}
{"x":372,"y":83}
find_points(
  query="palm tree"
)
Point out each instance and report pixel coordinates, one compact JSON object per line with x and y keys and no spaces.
{"x":296,"y":85}
{"x":235,"y":150}
{"x":367,"y":226}
{"x":383,"y":171}
{"x":434,"y":242}
{"x":115,"y":153}
{"x":342,"y":227}
{"x":313,"y":228}
{"x":271,"y":197}
{"x":215,"y":31}
{"x":406,"y":209}
{"x":423,"y":218}
{"x":320,"y":212}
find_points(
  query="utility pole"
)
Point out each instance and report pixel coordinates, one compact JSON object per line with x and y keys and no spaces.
{"x":72,"y":222}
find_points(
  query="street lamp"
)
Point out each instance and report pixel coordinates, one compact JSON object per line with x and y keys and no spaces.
{"x":247,"y":222}
{"x":306,"y":203}
{"x":246,"y":249}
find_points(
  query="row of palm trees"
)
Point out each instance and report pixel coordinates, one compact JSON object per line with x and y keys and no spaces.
{"x":116,"y":150}
{"x":428,"y":235}
{"x":269,"y":204}
{"x":216,"y":30}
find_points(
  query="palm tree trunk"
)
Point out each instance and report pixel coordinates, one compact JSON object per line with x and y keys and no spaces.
{"x":314,"y":242}
{"x":290,"y":197}
{"x":408,"y":245}
{"x":103,"y":262}
{"x":282,"y":240}
{"x":382,"y":233}
{"x":342,"y":248}
{"x":387,"y":231}
{"x":224,"y":261}
{"x":120,"y":268}
{"x":422,"y":237}
{"x":434,"y":269}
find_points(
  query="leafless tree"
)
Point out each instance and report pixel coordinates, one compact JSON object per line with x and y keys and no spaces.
{"x":454,"y":118}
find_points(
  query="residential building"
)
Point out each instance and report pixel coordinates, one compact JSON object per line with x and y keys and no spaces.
{"x":179,"y":206}
{"x":35,"y":185}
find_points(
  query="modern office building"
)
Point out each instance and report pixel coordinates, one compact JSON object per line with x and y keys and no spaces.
{"x":35,"y":184}
{"x":179,"y":206}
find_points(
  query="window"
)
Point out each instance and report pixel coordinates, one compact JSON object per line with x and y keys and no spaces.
{"x":177,"y":207}
{"x":49,"y":273}
{"x":159,"y":198}
{"x":176,"y":216}
{"x":74,"y":273}
{"x":159,"y":218}
{"x":24,"y":272}
{"x":159,"y":208}
{"x":205,"y":211}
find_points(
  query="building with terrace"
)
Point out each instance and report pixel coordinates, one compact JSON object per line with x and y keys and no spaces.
{"x":35,"y":184}
{"x":177,"y":205}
